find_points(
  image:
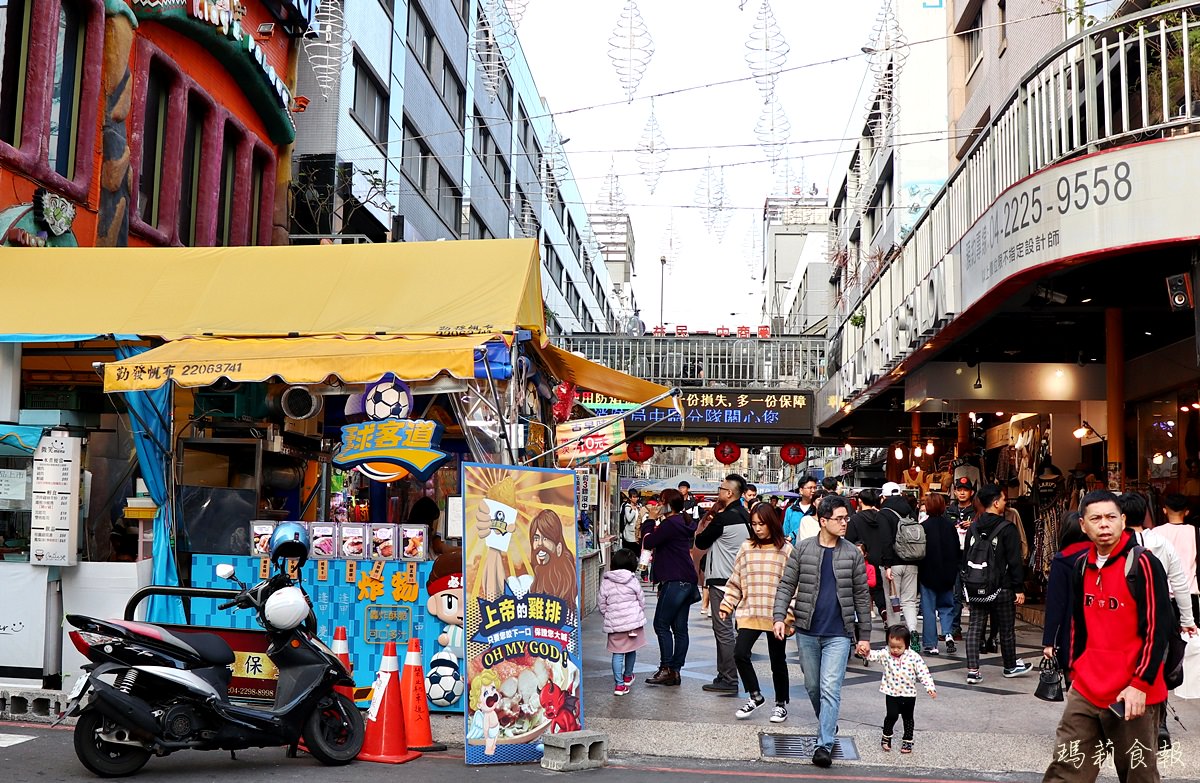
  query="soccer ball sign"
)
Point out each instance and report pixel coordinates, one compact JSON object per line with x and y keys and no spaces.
{"x":443,"y":683}
{"x":387,"y":399}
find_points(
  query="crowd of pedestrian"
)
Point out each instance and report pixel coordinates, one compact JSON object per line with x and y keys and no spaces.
{"x":1120,"y":596}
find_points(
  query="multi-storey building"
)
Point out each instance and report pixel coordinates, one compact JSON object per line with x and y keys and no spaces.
{"x":795,"y":266}
{"x":1046,"y":293}
{"x":434,"y":129}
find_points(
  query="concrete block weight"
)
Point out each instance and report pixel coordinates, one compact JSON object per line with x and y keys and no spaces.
{"x":572,"y":751}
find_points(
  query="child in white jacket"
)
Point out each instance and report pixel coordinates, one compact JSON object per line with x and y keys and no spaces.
{"x":623,"y":605}
{"x":903,"y":668}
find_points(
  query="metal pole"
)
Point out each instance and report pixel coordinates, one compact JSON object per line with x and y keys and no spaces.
{"x":662,"y":289}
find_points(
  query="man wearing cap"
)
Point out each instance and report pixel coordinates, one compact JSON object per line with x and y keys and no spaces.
{"x":961,"y":511}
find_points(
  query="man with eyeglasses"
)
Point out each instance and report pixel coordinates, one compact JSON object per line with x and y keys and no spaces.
{"x":798,"y":511}
{"x":825,"y":581}
{"x":1121,"y":621}
{"x":724,"y":535}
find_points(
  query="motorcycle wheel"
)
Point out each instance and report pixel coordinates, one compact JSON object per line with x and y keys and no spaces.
{"x":335,"y":730}
{"x":106,"y":759}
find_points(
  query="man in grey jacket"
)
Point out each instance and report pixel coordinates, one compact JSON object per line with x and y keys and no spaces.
{"x":722,"y":538}
{"x":826,"y":577}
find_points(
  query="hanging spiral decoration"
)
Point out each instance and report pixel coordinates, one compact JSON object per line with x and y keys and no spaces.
{"x":888,"y":49}
{"x":516,"y":10}
{"x":630,"y":48}
{"x":652,"y":151}
{"x":329,"y":49}
{"x":774,"y":129}
{"x":711,"y":198}
{"x":495,"y":44}
{"x":767,"y":51}
{"x":612,"y":197}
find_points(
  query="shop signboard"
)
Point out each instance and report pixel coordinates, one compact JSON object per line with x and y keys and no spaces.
{"x":386,"y":444}
{"x":731,"y":411}
{"x":23,"y":626}
{"x":54,"y":527}
{"x":605,"y":437}
{"x":12,"y":484}
{"x":523,"y":661}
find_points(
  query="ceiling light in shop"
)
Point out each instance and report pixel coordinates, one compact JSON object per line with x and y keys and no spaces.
{"x":1085,"y":301}
{"x":1169,"y":455}
{"x":999,"y":413}
{"x":899,"y":453}
{"x":929,"y":447}
{"x":1080,"y":432}
{"x":1170,"y":422}
{"x":1157,"y":459}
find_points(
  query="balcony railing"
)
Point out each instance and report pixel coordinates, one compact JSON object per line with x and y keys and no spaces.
{"x":1132,"y":78}
{"x":727,"y":362}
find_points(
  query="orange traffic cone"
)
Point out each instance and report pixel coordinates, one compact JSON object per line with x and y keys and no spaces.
{"x":416,"y":709}
{"x":385,"y":741}
{"x":341,"y":649}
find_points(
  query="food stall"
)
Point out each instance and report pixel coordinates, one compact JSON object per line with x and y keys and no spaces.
{"x":253,"y":403}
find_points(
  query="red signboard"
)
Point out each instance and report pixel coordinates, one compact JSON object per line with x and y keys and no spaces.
{"x":722,"y":331}
{"x":660,"y":331}
{"x":743,"y":331}
{"x":764,"y":332}
{"x":681,"y":331}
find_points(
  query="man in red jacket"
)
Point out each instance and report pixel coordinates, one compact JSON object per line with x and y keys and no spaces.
{"x":1122,"y":621}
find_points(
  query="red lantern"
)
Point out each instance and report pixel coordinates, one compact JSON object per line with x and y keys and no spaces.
{"x":727,"y":452}
{"x":793,"y":453}
{"x":638,"y":450}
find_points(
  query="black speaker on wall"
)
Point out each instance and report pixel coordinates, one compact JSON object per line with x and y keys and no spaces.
{"x":1179,"y":292}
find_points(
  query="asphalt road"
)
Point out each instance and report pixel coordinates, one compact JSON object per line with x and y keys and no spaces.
{"x":35,"y":754}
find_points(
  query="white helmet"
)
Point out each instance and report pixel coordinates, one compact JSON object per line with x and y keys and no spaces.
{"x":286,"y":608}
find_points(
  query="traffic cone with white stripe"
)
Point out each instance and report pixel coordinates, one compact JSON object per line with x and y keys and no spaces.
{"x":416,"y":706}
{"x":341,"y":650}
{"x":385,"y":740}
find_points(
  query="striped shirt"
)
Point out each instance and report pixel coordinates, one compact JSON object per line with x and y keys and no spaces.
{"x":751,"y":588}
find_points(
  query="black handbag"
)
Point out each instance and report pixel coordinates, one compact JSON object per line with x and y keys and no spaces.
{"x":1050,"y":681}
{"x":694,"y":595}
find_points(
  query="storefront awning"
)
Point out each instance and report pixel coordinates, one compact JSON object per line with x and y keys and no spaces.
{"x":402,"y":288}
{"x":203,"y":361}
{"x":594,"y":377}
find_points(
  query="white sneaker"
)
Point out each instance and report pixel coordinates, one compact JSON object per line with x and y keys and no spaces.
{"x":779,"y":714}
{"x":1018,"y":669}
{"x":749,"y":707}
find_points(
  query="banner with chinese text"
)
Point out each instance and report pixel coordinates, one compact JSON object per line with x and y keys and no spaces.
{"x":522,"y":611}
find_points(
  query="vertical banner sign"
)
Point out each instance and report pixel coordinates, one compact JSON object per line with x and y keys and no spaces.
{"x":54,"y":529}
{"x":523,"y":659}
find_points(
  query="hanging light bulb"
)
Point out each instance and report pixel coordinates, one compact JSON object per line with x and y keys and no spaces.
{"x":1168,"y":455}
{"x":1158,"y":458}
{"x":899,"y":453}
{"x":917,"y":452}
{"x":929,"y":447}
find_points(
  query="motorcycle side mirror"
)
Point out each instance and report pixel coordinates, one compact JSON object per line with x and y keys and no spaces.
{"x":226,"y":571}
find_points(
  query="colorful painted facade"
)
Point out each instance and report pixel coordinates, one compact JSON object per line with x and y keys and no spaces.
{"x":147,"y":123}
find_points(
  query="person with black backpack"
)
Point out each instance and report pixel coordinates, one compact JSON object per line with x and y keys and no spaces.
{"x":993,"y":580}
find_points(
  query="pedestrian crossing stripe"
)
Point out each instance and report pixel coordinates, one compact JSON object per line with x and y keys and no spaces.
{"x":8,"y":740}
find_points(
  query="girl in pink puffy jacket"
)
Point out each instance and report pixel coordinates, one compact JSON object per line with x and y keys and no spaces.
{"x":624,"y":608}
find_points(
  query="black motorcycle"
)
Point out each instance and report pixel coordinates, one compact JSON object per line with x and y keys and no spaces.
{"x":148,"y":691}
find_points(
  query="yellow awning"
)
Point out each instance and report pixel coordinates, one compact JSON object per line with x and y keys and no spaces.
{"x":205,"y":360}
{"x":594,"y":377}
{"x":402,"y":288}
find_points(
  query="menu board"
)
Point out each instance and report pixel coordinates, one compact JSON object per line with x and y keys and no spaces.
{"x":12,"y":484}
{"x":54,"y":530}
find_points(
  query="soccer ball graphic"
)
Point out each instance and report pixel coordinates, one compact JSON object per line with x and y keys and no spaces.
{"x":443,"y":683}
{"x":387,"y":399}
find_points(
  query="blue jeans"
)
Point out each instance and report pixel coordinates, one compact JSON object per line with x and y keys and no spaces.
{"x":823,"y":661}
{"x":623,"y":665}
{"x":935,"y":607}
{"x":671,"y":623}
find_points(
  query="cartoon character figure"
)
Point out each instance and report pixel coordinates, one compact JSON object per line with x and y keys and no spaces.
{"x":445,"y":587}
{"x":485,"y":724}
{"x":561,"y":707}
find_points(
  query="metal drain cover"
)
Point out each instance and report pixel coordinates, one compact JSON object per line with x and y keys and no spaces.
{"x":801,"y":746}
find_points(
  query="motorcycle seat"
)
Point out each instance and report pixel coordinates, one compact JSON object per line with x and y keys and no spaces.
{"x":209,"y":647}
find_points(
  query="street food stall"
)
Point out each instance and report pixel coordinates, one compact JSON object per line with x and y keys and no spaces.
{"x":348,"y":403}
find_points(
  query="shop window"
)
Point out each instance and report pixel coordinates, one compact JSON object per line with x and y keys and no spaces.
{"x":65,"y":88}
{"x":154,"y":130}
{"x":370,"y":102}
{"x":14,"y":53}
{"x":190,"y":170}
{"x":229,"y":144}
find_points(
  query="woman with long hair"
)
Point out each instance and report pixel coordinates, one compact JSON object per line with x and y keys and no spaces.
{"x":750,"y":592}
{"x":1056,"y":633}
{"x":675,"y":575}
{"x":936,"y":574}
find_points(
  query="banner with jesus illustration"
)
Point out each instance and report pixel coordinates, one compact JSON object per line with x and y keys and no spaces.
{"x":522,"y":610}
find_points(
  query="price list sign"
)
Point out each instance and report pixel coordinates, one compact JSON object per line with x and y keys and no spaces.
{"x":55,"y":523}
{"x":593,"y":443}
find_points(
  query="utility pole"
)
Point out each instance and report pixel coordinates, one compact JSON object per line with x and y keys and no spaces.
{"x":662,"y":289}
